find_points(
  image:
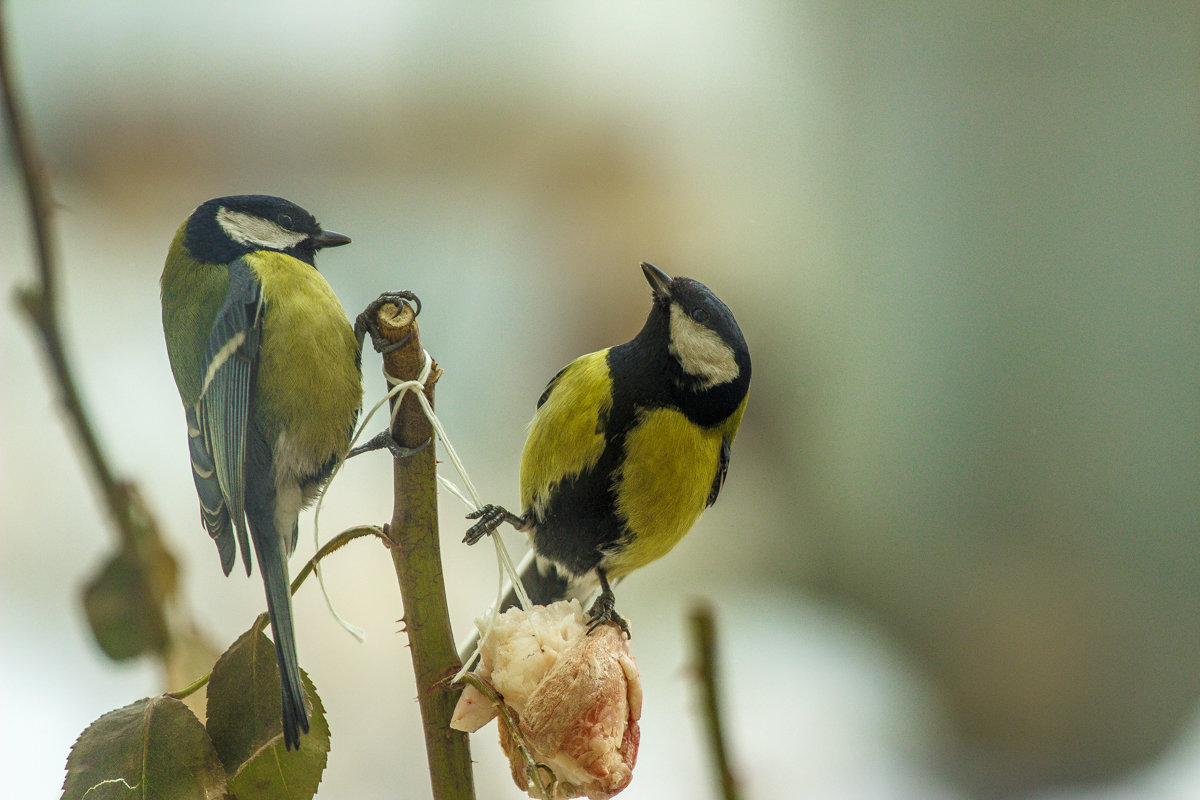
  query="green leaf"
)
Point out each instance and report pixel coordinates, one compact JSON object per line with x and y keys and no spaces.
{"x":244,"y":709}
{"x":125,"y":616}
{"x":149,"y":749}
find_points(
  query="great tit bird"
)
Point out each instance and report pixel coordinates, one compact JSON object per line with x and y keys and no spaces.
{"x":268,"y":368}
{"x":627,"y":448}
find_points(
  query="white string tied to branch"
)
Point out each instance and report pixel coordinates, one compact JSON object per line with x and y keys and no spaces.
{"x":470,"y":498}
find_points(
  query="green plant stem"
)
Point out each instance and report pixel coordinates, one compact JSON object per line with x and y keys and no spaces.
{"x":194,"y":687}
{"x":416,"y":555}
{"x":704,"y":641}
{"x":336,"y":543}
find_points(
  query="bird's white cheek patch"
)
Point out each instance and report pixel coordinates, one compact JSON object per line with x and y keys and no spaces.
{"x":700,"y":351}
{"x":252,"y":230}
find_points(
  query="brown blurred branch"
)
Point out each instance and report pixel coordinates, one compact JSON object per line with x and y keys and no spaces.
{"x":39,"y":302}
{"x":136,"y":527}
{"x":37,"y":195}
{"x":704,"y":640}
{"x":416,"y":555}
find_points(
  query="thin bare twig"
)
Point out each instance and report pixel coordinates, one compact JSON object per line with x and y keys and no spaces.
{"x":37,"y":195}
{"x":40,"y":302}
{"x":136,"y":527}
{"x":704,"y":641}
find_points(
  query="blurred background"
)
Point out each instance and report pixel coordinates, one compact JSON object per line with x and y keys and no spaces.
{"x":957,"y":555}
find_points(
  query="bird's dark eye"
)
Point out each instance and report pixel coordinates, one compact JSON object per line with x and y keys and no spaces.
{"x":700,"y":314}
{"x":284,"y":220}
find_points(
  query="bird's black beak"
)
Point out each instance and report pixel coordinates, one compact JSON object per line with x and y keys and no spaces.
{"x":660,"y":281}
{"x":329,"y":239}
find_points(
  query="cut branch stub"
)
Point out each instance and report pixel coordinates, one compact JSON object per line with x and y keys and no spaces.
{"x":395,"y":323}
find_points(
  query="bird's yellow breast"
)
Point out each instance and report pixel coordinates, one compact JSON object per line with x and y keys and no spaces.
{"x":308,"y":349}
{"x":666,"y":474}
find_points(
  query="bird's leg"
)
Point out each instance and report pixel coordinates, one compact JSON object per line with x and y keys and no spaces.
{"x":366,"y":323}
{"x":604,"y":609}
{"x":385,"y":440}
{"x":490,"y":518}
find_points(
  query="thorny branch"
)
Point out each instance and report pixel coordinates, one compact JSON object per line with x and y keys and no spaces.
{"x":416,"y":554}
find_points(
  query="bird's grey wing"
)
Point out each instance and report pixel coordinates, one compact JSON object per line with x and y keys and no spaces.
{"x":722,"y":468}
{"x":230,"y":362}
{"x":213,"y":510}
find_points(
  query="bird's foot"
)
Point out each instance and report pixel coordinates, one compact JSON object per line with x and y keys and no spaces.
{"x":366,"y":322}
{"x":384,"y":440}
{"x":604,"y":611}
{"x":490,"y":518}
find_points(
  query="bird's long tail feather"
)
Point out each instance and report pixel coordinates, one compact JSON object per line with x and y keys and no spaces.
{"x":272,"y":562}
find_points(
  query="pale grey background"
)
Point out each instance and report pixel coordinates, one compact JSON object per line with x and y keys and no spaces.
{"x":957,"y":554}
